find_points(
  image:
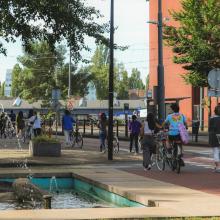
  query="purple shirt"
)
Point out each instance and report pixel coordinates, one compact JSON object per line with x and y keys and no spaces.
{"x":134,"y":127}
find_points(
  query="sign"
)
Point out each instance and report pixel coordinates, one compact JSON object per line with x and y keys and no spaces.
{"x":56,"y":94}
{"x":149,"y":93}
{"x":214,"y":79}
{"x":214,"y":93}
{"x":17,"y":102}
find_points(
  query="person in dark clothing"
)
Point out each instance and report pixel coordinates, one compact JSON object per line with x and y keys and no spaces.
{"x":134,"y":128}
{"x":12,"y":117}
{"x":214,"y":137}
{"x":102,"y":125}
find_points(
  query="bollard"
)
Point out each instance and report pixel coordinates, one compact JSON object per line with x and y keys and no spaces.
{"x":47,"y":201}
{"x":117,"y":128}
{"x":84,"y":126}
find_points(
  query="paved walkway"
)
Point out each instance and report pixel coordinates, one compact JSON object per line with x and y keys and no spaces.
{"x":170,"y":193}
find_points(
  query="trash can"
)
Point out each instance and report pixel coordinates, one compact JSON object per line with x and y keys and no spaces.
{"x":195,"y":129}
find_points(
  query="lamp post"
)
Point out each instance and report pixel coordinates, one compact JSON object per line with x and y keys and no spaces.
{"x":160,"y":67}
{"x":69,"y":84}
{"x":111,"y":84}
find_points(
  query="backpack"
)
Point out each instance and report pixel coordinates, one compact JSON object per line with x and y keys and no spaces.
{"x":183,"y":133}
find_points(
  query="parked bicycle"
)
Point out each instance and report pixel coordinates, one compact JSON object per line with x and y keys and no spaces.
{"x":76,"y":138}
{"x":115,"y":144}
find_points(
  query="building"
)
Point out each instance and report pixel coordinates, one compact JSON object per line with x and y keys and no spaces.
{"x":175,"y":87}
{"x":8,"y":82}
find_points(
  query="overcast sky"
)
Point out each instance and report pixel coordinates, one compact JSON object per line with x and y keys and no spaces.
{"x":131,"y":18}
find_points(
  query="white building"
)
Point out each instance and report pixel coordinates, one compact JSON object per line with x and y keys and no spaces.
{"x":8,"y":82}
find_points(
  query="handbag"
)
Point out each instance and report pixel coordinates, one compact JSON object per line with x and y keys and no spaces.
{"x":184,"y":135}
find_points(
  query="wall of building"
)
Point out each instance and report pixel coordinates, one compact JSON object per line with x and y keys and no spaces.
{"x":175,"y":86}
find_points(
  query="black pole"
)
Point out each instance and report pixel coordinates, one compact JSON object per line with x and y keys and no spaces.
{"x":111,"y":84}
{"x":160,"y":68}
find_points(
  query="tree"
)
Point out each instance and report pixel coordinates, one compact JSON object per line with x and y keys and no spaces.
{"x":43,"y":69}
{"x":135,"y":81}
{"x":196,"y":41}
{"x":2,"y":91}
{"x":52,"y":21}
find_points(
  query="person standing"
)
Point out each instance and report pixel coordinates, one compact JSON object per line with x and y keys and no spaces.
{"x":148,"y":128}
{"x":214,"y":130}
{"x":102,"y":125}
{"x":67,"y":123}
{"x":12,"y":117}
{"x":35,"y":120}
{"x":20,"y":123}
{"x":134,"y":128}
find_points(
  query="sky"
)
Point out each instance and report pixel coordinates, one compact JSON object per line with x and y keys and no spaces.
{"x":130,"y":17}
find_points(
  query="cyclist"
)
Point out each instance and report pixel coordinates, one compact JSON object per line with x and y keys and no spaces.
{"x":134,"y":128}
{"x":172,"y":121}
{"x":148,"y":128}
{"x":67,"y":124}
{"x":102,"y":125}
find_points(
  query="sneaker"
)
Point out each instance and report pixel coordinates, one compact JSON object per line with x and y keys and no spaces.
{"x":149,"y":167}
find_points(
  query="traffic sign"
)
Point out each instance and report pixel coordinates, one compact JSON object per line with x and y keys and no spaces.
{"x":56,"y":94}
{"x":213,"y":93}
{"x":214,"y":79}
{"x":70,"y":104}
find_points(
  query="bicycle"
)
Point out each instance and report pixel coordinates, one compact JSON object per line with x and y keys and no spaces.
{"x":115,"y":144}
{"x":76,"y":138}
{"x":162,"y":157}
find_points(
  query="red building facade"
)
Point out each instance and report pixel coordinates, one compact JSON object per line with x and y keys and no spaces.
{"x":175,"y":87}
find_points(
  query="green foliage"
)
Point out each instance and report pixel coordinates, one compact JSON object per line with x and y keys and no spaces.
{"x":52,"y":21}
{"x":44,"y":139}
{"x":2,"y":90}
{"x":99,"y":70}
{"x":135,"y":81}
{"x":196,"y":41}
{"x":42,"y":69}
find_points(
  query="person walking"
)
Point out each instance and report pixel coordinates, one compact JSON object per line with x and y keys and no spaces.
{"x":102,"y":125}
{"x":214,"y":131}
{"x":134,"y":128}
{"x":35,"y":120}
{"x":20,"y":123}
{"x":149,"y":126}
{"x":67,"y":124}
{"x":12,"y":117}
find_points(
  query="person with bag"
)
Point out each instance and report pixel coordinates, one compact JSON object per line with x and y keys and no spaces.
{"x":149,"y":126}
{"x":35,"y":121}
{"x":214,"y":131}
{"x":177,"y":124}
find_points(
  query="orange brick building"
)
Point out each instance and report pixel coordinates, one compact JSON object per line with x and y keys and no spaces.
{"x":175,"y":87}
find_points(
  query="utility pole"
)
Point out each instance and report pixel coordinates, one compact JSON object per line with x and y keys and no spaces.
{"x":160,"y":67}
{"x":69,"y":86}
{"x":111,"y":84}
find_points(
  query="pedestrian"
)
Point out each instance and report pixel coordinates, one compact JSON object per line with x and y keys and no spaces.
{"x":149,"y":126}
{"x":35,"y":121}
{"x":214,"y":131}
{"x":173,"y":120}
{"x":67,"y":124}
{"x":12,"y":117}
{"x":134,"y":128}
{"x":102,"y":125}
{"x":20,"y":123}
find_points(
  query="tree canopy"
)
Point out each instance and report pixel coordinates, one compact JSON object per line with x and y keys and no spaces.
{"x":42,"y":69}
{"x":196,"y":41}
{"x":51,"y":21}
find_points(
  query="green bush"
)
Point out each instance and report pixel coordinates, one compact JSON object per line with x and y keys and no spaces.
{"x":44,"y":139}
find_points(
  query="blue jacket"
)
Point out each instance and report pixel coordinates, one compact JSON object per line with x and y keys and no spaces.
{"x":67,"y":122}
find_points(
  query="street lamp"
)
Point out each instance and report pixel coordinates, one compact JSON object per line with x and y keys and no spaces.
{"x":111,"y":84}
{"x":160,"y":67}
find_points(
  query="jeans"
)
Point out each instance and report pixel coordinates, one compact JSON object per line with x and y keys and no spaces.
{"x":134,"y":138}
{"x":148,"y":146}
{"x":102,"y":137}
{"x":67,"y":136}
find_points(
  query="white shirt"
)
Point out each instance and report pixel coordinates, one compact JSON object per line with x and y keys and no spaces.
{"x":147,"y":130}
{"x":36,"y":120}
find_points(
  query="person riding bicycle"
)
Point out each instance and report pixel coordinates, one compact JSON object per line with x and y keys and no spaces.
{"x":173,"y":121}
{"x":67,"y":123}
{"x":102,"y":125}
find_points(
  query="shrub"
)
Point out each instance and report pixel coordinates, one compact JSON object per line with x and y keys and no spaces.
{"x":44,"y":139}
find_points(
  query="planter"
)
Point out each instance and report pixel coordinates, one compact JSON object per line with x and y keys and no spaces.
{"x":44,"y":149}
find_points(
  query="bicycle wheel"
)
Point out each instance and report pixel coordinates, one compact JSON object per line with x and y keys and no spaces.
{"x":79,"y":140}
{"x":72,"y":140}
{"x":115,"y":146}
{"x":160,"y":160}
